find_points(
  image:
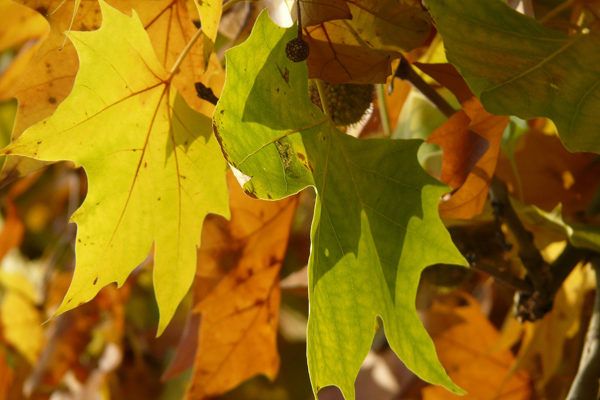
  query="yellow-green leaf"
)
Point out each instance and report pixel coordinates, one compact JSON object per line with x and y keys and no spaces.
{"x":154,"y":169}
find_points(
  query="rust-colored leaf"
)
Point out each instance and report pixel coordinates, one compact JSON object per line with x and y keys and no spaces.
{"x":465,"y":341}
{"x":238,"y":294}
{"x":6,"y":373}
{"x":462,"y":148}
{"x":469,"y":199}
{"x":13,"y":229}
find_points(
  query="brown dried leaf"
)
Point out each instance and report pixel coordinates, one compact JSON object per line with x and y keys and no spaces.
{"x":465,"y":341}
{"x":237,"y":293}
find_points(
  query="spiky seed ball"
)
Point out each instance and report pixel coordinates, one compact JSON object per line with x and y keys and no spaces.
{"x":347,"y":102}
{"x":297,"y":50}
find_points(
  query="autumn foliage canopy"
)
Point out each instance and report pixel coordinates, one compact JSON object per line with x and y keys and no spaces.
{"x":372,"y":199}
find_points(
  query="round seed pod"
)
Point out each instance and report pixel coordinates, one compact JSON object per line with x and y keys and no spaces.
{"x":297,"y":50}
{"x":347,"y":102}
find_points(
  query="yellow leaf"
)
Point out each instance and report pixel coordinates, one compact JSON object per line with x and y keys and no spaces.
{"x":154,"y":168}
{"x":21,"y":323}
{"x":41,"y":79}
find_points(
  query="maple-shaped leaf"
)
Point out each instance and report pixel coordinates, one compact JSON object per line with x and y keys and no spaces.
{"x":45,"y":77}
{"x":375,"y":227}
{"x":516,"y":66}
{"x":154,"y":169}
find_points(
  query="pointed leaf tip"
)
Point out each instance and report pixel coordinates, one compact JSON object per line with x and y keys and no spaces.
{"x":153,"y":173}
{"x":368,"y":192}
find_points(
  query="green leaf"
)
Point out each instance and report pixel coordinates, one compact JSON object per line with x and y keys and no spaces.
{"x":154,"y":169}
{"x":578,"y":234}
{"x":517,"y":66}
{"x":376,"y":225}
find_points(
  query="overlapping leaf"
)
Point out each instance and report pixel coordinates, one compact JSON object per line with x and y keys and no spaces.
{"x":360,"y":49}
{"x":546,"y":174}
{"x":46,"y":77}
{"x":30,"y":24}
{"x":319,"y":11}
{"x":238,"y":293}
{"x":516,"y":66}
{"x":468,"y":159}
{"x":467,"y":341}
{"x":154,"y":170}
{"x":375,"y":226}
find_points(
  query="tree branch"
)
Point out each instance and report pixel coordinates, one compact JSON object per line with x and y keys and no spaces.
{"x":406,"y":72}
{"x":545,"y":278}
{"x":530,"y":256}
{"x":585,"y":385}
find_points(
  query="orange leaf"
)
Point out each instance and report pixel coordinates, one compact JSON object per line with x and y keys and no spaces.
{"x":469,"y":199}
{"x":549,"y":174}
{"x":12,"y":231}
{"x":462,"y":148}
{"x":6,"y":373}
{"x":27,"y":25}
{"x":465,"y":342}
{"x":238,"y":293}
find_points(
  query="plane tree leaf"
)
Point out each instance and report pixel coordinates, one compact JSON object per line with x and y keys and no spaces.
{"x":518,"y":67}
{"x":375,"y":226}
{"x":360,"y":49}
{"x":153,"y":174}
{"x":44,"y":80}
{"x":237,"y":293}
